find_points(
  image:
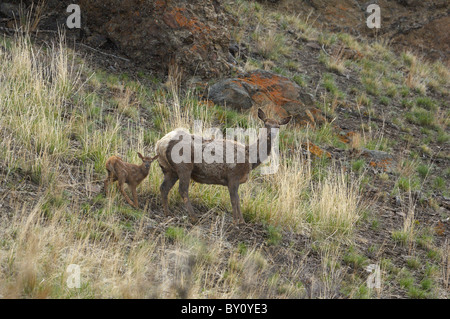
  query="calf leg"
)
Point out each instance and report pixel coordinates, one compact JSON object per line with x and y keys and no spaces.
{"x":133,"y":192}
{"x":125,"y":194}
{"x":107,"y":182}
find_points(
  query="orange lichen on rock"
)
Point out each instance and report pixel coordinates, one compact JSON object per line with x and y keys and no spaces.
{"x":316,"y":150}
{"x":202,"y":48}
{"x":347,"y":138}
{"x":382,"y":164}
{"x":271,"y":86}
{"x":207,"y":103}
{"x":344,"y":139}
{"x":280,"y":95}
{"x":177,"y":18}
{"x":274,"y":93}
{"x":159,"y":4}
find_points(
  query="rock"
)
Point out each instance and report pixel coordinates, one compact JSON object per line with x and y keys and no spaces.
{"x":192,"y":34}
{"x":271,"y":1}
{"x":97,"y":40}
{"x":9,"y":10}
{"x":346,"y":53}
{"x":379,"y":160}
{"x":233,"y":49}
{"x":315,"y":150}
{"x":268,"y":90}
{"x":314,"y":45}
{"x":432,"y":35}
{"x":231,"y":93}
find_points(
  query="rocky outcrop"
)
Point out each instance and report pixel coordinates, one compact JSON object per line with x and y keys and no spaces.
{"x":232,"y":93}
{"x":432,"y":37}
{"x":9,"y":10}
{"x":267,"y":90}
{"x":193,"y":34}
{"x":379,"y":160}
{"x":417,"y":25}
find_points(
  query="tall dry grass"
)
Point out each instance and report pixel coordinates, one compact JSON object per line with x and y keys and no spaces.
{"x":37,"y":250}
{"x":50,"y":133}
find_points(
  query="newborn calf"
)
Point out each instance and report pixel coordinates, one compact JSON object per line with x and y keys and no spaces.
{"x":131,"y":174}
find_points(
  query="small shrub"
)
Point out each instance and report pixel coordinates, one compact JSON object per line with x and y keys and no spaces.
{"x":175,"y":233}
{"x":426,"y":103}
{"x":400,"y":237}
{"x":385,"y":100}
{"x":355,"y":259}
{"x":439,"y":183}
{"x":421,"y":117}
{"x":413,"y":263}
{"x":300,"y":80}
{"x":274,"y":235}
{"x":442,"y":137}
{"x":358,"y":165}
{"x":423,"y":170}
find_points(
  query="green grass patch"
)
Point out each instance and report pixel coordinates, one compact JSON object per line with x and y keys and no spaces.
{"x":352,"y":257}
{"x":421,"y":117}
{"x":426,"y":103}
{"x":274,"y":235}
{"x":175,"y":234}
{"x":423,"y":170}
{"x":358,"y":166}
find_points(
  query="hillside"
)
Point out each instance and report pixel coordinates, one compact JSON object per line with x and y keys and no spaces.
{"x":364,"y":170}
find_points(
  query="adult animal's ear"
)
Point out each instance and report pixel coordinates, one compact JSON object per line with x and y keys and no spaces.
{"x":262,"y":115}
{"x":285,"y":120}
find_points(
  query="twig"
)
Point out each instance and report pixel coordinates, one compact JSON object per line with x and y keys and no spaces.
{"x":29,"y":31}
{"x":323,"y":48}
{"x":104,"y":53}
{"x":56,"y":32}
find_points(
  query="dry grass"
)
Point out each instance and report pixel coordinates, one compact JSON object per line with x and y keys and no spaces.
{"x":33,"y":94}
{"x":335,"y":205}
{"x":49,"y":133}
{"x":37,"y":251}
{"x":270,"y":44}
{"x":58,"y":126}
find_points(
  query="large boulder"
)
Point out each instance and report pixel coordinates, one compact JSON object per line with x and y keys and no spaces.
{"x":192,"y":34}
{"x":9,"y":10}
{"x":153,"y":33}
{"x":268,"y":90}
{"x":232,"y":93}
{"x":379,"y":160}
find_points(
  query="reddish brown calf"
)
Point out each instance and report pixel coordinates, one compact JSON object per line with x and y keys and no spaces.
{"x":131,"y":174}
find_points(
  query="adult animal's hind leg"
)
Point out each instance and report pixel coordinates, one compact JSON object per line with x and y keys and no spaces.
{"x":166,"y":186}
{"x":235,"y":203}
{"x":185,"y":179}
